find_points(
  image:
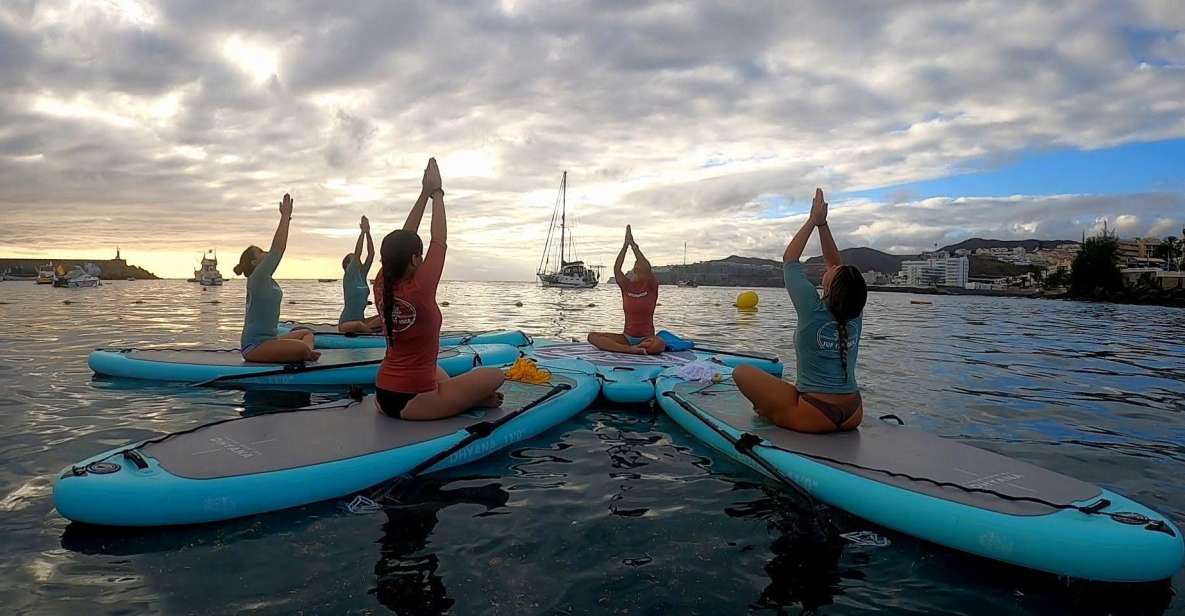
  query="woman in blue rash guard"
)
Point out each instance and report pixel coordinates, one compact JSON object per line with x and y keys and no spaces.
{"x":825,"y":396}
{"x":356,"y":287}
{"x":260,"y":342}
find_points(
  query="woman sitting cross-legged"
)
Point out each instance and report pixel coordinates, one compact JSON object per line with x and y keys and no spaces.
{"x":639,"y":296}
{"x":825,"y":396}
{"x":410,"y":384}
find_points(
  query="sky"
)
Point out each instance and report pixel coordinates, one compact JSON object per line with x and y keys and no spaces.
{"x":173,"y":127}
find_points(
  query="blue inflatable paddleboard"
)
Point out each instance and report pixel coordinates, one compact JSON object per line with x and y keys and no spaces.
{"x":327,"y":337}
{"x":335,"y":366}
{"x":250,"y":465}
{"x":940,"y":490}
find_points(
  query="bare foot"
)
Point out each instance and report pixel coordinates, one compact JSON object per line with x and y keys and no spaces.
{"x":638,"y":350}
{"x":313,"y":355}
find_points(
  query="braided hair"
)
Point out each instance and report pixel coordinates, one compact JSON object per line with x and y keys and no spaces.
{"x":845,"y":299}
{"x":397,"y":251}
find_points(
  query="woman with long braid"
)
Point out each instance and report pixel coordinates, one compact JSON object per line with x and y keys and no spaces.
{"x":825,"y":396}
{"x":410,"y":385}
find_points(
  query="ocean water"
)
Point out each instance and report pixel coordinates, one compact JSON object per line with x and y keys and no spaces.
{"x":616,"y":511}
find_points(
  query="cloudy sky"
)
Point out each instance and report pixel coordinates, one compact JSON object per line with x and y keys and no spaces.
{"x":171,"y":127}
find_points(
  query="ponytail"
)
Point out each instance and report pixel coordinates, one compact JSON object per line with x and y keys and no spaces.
{"x":388,"y":299}
{"x":246,"y":263}
{"x":399,"y":246}
{"x":845,"y":299}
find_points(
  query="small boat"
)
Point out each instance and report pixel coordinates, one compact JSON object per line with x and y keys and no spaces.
{"x":131,"y":278}
{"x":920,"y":301}
{"x":208,"y":275}
{"x":555,"y":270}
{"x":45,"y":274}
{"x":327,"y":280}
{"x":17,"y":275}
{"x":79,"y":277}
{"x":691,"y":284}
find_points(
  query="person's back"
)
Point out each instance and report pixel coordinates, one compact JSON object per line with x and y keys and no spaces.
{"x":409,"y":384}
{"x":409,"y":365}
{"x":826,"y":351}
{"x":825,"y":396}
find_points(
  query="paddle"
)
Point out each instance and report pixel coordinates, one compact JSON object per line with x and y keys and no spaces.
{"x":745,"y":444}
{"x":677,"y":343}
{"x":477,"y":431}
{"x":287,"y":369}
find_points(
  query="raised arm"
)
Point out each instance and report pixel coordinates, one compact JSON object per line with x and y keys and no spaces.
{"x":280,"y":239}
{"x":358,"y":244}
{"x":417,"y":211}
{"x":798,"y":243}
{"x":439,"y":220}
{"x":830,"y":253}
{"x":619,"y":275}
{"x":369,"y":245}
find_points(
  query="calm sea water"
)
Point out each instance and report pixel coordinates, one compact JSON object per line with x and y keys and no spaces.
{"x":616,"y":511}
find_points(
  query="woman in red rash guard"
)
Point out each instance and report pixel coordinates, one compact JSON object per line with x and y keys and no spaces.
{"x":410,"y":385}
{"x":639,"y":295}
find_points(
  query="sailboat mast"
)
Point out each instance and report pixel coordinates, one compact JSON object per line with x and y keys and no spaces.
{"x":563,"y":214}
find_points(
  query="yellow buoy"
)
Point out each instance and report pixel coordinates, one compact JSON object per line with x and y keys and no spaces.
{"x":747,"y":299}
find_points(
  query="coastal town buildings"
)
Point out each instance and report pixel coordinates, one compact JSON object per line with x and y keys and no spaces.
{"x":1140,"y":248}
{"x":935,"y":272}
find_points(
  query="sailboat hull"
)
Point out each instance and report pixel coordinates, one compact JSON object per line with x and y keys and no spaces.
{"x":565,"y":282}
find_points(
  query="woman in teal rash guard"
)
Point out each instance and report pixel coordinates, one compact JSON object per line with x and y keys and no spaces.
{"x":356,"y":288}
{"x":259,"y":341}
{"x":825,"y":396}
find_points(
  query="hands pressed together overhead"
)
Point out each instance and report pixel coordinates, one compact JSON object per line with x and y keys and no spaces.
{"x":819,"y":209}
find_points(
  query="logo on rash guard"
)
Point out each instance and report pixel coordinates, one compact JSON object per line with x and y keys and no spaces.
{"x":403,"y":315}
{"x":827,"y":336}
{"x":638,"y":295}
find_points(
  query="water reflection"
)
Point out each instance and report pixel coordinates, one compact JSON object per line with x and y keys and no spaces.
{"x":407,"y":579}
{"x":805,"y":566}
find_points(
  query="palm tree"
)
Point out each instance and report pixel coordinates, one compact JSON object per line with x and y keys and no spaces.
{"x":1168,"y":250}
{"x":1095,"y":271}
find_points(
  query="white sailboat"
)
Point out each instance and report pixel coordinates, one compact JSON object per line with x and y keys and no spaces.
{"x":559,"y":267}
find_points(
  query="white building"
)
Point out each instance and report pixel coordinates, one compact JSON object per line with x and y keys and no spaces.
{"x":948,"y":272}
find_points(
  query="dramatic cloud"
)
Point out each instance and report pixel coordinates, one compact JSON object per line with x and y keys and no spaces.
{"x":172,"y":127}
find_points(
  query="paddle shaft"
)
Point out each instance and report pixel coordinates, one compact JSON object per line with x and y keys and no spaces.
{"x":769,"y":358}
{"x":744,"y":445}
{"x":477,"y":431}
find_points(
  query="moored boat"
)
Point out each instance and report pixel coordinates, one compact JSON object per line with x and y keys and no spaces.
{"x":556,"y":270}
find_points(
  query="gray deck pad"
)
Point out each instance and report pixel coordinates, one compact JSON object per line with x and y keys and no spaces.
{"x":904,"y":450}
{"x":234,"y":358}
{"x":279,"y":441}
{"x":591,"y":354}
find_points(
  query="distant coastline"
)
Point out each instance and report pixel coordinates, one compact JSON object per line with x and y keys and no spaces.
{"x":112,"y":269}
